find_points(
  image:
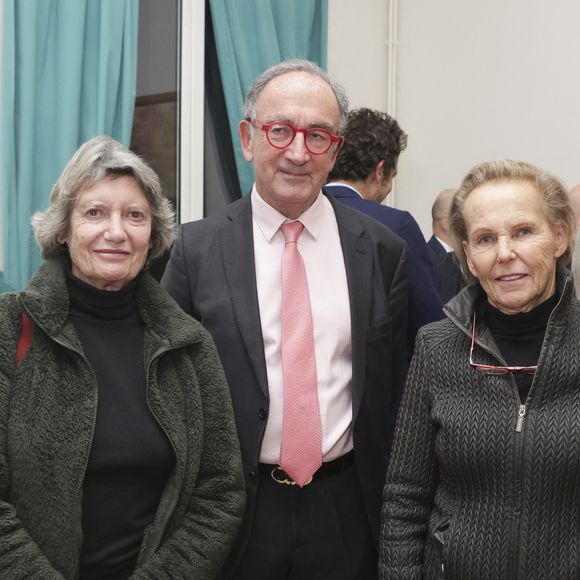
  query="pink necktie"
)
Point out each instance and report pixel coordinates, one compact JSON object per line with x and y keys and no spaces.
{"x":301,"y":453}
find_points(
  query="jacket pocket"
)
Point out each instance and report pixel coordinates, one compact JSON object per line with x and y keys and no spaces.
{"x":440,"y":535}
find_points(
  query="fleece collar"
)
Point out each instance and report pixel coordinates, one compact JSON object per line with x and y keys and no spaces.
{"x":46,"y":300}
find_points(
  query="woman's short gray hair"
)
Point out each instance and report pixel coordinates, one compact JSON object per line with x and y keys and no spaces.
{"x":295,"y":65}
{"x":98,"y":159}
{"x":557,"y":208}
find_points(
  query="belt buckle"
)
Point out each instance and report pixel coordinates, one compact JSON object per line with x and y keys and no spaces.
{"x":286,"y":481}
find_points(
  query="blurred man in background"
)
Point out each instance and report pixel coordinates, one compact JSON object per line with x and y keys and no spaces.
{"x":362,"y":178}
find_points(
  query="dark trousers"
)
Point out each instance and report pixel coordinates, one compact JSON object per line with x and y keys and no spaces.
{"x":319,"y":532}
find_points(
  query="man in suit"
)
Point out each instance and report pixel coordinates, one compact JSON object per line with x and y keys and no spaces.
{"x":361,"y":178}
{"x":316,"y":516}
{"x":447,"y":273}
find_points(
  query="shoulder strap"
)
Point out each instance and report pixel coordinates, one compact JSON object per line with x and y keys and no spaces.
{"x":25,"y":338}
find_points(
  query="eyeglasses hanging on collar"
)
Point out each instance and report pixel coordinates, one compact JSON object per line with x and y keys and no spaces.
{"x":492,"y":369}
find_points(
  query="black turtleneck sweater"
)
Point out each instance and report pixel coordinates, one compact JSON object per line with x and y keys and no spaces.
{"x":130,"y":459}
{"x":519,"y":337}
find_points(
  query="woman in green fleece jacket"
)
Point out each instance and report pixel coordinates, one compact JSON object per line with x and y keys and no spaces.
{"x":118,"y":450}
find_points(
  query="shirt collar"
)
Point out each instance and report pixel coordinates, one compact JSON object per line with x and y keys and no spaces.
{"x":446,"y":246}
{"x":269,"y":219}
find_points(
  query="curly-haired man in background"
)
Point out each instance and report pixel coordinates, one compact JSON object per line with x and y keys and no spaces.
{"x":362,"y":178}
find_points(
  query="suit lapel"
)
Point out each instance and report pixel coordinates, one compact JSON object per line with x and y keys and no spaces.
{"x":237,"y":247}
{"x":358,"y":261}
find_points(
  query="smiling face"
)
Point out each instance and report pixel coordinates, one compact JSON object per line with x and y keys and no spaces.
{"x":290,"y":179}
{"x":110,"y":233}
{"x":511,"y":247}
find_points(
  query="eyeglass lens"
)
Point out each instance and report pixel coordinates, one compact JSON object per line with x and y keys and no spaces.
{"x":316,"y":140}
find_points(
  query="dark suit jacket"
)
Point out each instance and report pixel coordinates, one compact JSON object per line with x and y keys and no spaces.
{"x":211,"y":274}
{"x":425,"y":304}
{"x":446,"y":270}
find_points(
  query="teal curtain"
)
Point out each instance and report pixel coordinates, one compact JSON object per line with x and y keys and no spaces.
{"x":69,"y":74}
{"x":3,"y":286}
{"x":253,"y":35}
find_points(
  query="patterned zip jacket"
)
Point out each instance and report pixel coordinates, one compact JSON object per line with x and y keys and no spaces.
{"x":479,"y":486}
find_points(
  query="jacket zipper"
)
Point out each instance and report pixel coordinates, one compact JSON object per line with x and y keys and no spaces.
{"x":78,"y":494}
{"x":179,"y":463}
{"x":518,"y":482}
{"x":521,"y":417}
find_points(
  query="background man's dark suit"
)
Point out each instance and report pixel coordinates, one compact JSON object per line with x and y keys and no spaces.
{"x":211,"y":274}
{"x":425,"y":304}
{"x":446,"y":271}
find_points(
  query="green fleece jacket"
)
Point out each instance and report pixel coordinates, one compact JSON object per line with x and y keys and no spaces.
{"x":47,"y":418}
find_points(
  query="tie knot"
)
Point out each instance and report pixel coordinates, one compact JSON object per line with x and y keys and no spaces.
{"x":292,"y":231}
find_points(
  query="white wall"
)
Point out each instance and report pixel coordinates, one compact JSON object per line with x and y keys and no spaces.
{"x":357,"y":50}
{"x":476,"y":81}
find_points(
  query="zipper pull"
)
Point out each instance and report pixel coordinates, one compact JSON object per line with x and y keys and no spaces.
{"x":521,"y":415}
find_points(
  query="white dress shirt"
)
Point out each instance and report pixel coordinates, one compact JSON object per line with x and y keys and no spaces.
{"x":321,"y":251}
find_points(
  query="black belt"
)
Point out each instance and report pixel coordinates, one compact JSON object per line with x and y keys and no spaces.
{"x":327,"y":469}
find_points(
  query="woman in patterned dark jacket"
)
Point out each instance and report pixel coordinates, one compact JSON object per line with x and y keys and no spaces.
{"x":484,"y":477}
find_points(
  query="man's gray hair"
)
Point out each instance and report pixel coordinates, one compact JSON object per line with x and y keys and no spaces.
{"x":98,"y":159}
{"x":295,"y":65}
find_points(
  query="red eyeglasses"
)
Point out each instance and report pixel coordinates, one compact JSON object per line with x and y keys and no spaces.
{"x":280,"y":135}
{"x":495,"y":370}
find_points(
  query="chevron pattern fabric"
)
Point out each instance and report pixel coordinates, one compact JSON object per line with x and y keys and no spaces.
{"x":467,"y":496}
